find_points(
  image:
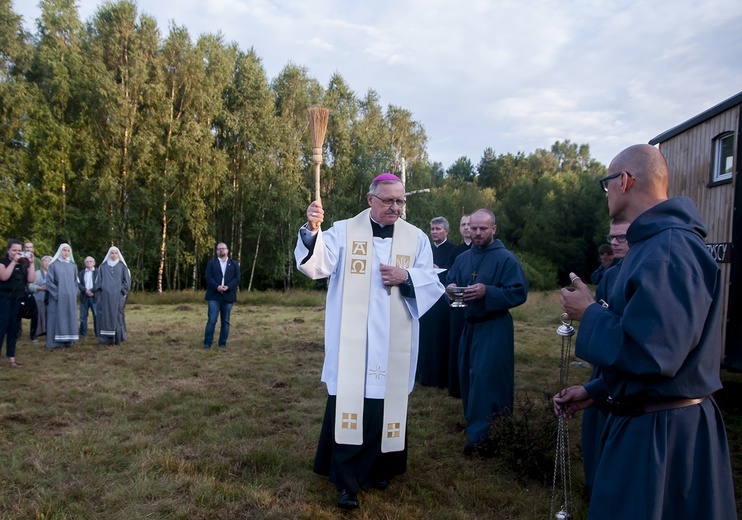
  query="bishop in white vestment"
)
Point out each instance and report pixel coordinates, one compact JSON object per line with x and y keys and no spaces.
{"x":381,"y":282}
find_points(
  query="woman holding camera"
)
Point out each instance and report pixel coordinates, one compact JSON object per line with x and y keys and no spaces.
{"x":14,"y":275}
{"x":61,"y":313}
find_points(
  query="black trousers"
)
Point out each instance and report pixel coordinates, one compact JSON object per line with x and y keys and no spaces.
{"x":29,"y":310}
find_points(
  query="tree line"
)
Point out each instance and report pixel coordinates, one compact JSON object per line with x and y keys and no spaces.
{"x":111,"y":133}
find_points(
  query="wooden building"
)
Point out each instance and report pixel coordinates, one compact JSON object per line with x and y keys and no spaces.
{"x":703,"y":155}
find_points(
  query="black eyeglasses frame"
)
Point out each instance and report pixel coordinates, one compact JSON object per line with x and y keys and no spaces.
{"x":604,"y":181}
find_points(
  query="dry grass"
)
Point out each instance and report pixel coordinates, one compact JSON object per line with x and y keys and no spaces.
{"x":160,"y":428}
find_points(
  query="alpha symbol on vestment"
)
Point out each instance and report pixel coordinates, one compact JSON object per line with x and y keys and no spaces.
{"x":357,"y":266}
{"x":393,"y":429}
{"x":377,"y":373}
{"x":359,"y":248}
{"x":350,"y":421}
{"x":403,"y":261}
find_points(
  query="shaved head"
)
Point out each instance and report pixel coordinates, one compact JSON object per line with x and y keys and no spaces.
{"x":645,"y":163}
{"x":642,"y":182}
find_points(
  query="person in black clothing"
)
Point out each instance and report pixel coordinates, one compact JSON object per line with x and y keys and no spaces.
{"x":433,"y":362}
{"x":29,"y":309}
{"x":15,"y":272}
{"x":466,"y":237}
{"x":457,"y":314}
{"x":607,"y":260}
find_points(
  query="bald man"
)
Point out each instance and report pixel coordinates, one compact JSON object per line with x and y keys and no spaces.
{"x":658,"y":348}
{"x":495,"y":283}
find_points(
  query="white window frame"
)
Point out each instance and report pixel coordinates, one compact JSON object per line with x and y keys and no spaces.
{"x":719,"y":173}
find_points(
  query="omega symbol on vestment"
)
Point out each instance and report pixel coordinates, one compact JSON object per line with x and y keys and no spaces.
{"x":393,"y":430}
{"x":350,"y":421}
{"x":403,"y":261}
{"x":359,"y":248}
{"x":357,"y":266}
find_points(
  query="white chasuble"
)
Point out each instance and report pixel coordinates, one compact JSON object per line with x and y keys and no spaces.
{"x":369,"y":327}
{"x":352,"y":373}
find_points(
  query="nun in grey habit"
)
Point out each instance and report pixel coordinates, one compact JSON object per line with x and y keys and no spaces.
{"x":112,"y":284}
{"x":61,"y":312}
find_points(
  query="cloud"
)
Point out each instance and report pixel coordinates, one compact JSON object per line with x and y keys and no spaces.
{"x":510,"y":75}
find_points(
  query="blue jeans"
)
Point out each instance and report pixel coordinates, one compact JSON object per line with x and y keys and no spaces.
{"x":216,"y":308}
{"x":87,"y":303}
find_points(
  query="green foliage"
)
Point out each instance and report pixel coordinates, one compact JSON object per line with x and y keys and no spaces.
{"x":461,"y":170}
{"x":111,"y":133}
{"x":524,"y":440}
{"x":554,"y":214}
{"x":540,"y":273}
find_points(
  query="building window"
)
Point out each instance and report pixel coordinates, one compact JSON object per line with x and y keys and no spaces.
{"x":723,"y":157}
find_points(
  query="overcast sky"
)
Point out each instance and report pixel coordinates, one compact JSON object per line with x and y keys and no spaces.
{"x":514,"y":75}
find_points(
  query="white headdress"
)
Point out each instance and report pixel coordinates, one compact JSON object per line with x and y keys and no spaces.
{"x":111,"y":263}
{"x":58,"y":255}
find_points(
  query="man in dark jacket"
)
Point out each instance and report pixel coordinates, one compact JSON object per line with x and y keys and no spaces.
{"x":607,"y":260}
{"x":85,"y":281}
{"x":222,"y":280}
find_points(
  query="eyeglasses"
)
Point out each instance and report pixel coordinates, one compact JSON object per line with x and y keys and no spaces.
{"x":389,"y":202}
{"x":604,"y":181}
{"x":618,"y":238}
{"x":221,"y":248}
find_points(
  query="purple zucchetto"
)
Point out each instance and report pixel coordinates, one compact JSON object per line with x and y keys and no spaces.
{"x":387,"y":177}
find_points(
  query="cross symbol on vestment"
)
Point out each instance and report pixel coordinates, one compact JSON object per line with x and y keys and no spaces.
{"x":350,"y":421}
{"x":377,"y":373}
{"x":393,"y":429}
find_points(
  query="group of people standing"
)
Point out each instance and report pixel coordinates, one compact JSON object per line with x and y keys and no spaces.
{"x":441,"y":326}
{"x":51,"y":288}
{"x":655,"y":445}
{"x":651,"y":427}
{"x":470,"y":349}
{"x":383,"y":284}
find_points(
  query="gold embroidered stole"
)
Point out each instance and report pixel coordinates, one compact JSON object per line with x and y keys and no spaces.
{"x":353,"y":336}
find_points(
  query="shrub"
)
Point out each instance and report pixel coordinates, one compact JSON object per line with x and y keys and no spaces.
{"x":524,"y":441}
{"x":540,"y":273}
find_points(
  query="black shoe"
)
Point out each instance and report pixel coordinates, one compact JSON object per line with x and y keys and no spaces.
{"x":484,"y":449}
{"x":347,"y":500}
{"x":381,"y":485}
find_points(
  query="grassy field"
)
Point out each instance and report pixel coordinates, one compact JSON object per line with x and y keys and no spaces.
{"x":160,"y":428}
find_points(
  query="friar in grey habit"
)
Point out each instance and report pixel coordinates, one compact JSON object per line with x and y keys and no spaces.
{"x":61,"y":314}
{"x":112,"y":284}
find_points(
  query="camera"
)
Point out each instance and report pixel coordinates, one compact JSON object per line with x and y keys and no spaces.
{"x":26,"y":254}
